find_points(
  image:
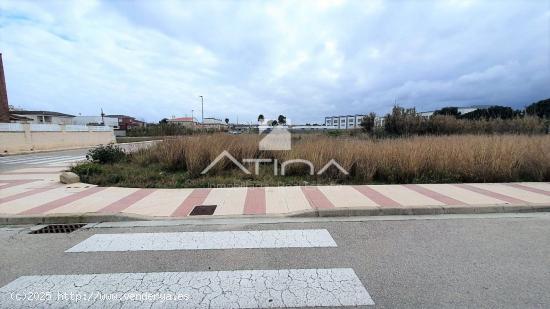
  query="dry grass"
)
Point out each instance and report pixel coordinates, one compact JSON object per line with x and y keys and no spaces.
{"x":462,"y":158}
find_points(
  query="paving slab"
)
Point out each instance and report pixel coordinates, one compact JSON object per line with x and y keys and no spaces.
{"x":37,"y":192}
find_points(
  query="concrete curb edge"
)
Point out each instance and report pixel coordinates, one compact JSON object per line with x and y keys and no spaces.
{"x":333,"y":212}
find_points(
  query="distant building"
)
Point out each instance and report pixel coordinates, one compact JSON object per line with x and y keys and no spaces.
{"x":184,"y":121}
{"x":126,"y":122}
{"x":461,"y":110}
{"x":309,"y":128}
{"x":344,"y":122}
{"x":244,"y":127}
{"x":96,"y":120}
{"x":45,"y":117}
{"x":19,"y":119}
{"x":213,"y":123}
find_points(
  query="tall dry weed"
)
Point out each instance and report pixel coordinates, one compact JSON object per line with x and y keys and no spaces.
{"x":458,"y":158}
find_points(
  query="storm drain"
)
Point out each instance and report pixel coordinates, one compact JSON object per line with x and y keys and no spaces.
{"x":203,"y":210}
{"x":58,"y":228}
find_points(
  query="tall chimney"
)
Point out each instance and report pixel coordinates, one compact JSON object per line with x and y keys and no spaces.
{"x":4,"y":109}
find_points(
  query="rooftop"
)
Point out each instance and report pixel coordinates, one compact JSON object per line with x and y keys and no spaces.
{"x":43,"y":113}
{"x":183,"y":119}
{"x":119,"y":116}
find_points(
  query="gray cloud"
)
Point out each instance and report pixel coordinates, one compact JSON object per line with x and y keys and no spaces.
{"x":304,"y":59}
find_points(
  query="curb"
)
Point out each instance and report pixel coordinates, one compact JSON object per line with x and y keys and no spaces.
{"x":71,"y":218}
{"x":425,"y":210}
{"x":334,"y":212}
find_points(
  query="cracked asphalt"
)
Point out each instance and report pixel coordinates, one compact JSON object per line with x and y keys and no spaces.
{"x":500,"y":262}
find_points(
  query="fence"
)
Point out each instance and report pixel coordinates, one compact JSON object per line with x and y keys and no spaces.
{"x":18,"y":137}
{"x":42,"y":127}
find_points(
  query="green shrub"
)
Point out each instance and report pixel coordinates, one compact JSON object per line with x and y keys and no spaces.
{"x":334,"y":133}
{"x":169,"y":129}
{"x":86,"y":170}
{"x":106,"y":154}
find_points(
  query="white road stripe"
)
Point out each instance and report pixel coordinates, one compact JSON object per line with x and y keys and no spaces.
{"x":206,"y":240}
{"x":25,"y":159}
{"x":60,"y":158}
{"x":43,"y":160}
{"x":36,"y":160}
{"x":68,"y":159}
{"x":284,"y":288}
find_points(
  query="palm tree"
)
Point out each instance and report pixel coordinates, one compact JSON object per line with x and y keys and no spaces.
{"x":261,"y":118}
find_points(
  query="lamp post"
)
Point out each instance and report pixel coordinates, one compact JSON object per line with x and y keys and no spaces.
{"x":202,"y":108}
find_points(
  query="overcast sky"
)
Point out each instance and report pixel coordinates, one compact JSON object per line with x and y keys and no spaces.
{"x":304,"y":59}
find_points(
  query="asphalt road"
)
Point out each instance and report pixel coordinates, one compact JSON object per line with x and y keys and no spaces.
{"x":38,"y":159}
{"x":479,"y":262}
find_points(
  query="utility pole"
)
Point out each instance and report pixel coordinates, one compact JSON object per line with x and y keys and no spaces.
{"x":192,"y":119}
{"x":202,"y":108}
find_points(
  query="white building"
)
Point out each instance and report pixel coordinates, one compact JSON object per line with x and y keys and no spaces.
{"x":461,"y":110}
{"x":344,"y":122}
{"x":184,"y":121}
{"x":44,"y":117}
{"x":310,"y":128}
{"x":87,"y":120}
{"x":211,"y":122}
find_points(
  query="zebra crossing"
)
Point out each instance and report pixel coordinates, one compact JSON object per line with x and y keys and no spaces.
{"x":228,"y":289}
{"x":52,"y":160}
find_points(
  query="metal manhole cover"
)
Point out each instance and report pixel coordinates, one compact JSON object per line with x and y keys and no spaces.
{"x":203,"y":210}
{"x":58,"y":228}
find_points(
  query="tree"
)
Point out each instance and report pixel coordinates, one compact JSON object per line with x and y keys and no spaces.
{"x":447,"y":111}
{"x":540,"y":109}
{"x":368,"y":122}
{"x":274,"y":123}
{"x":281,"y":119}
{"x":226,"y":120}
{"x":493,"y":112}
{"x":163,"y":121}
{"x":404,"y":121}
{"x":261,"y":118}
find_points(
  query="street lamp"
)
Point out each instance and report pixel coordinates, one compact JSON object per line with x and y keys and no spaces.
{"x":202,"y":108}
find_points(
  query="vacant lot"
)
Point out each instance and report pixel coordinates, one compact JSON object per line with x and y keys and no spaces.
{"x":427,"y":159}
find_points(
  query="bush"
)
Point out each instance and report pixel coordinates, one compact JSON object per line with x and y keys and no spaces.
{"x":407,"y":122}
{"x":493,"y":112}
{"x":106,"y":154}
{"x":169,"y":129}
{"x":540,"y":109}
{"x":334,"y":133}
{"x":86,"y":170}
{"x":368,"y":122}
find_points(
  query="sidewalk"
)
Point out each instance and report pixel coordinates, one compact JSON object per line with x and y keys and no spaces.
{"x":36,"y":193}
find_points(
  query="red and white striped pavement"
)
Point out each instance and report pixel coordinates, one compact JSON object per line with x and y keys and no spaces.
{"x":37,"y":191}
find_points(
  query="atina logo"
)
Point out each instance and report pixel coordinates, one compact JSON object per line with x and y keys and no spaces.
{"x":277,"y":138}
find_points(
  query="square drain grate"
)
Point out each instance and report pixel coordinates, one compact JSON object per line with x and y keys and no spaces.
{"x":58,"y":228}
{"x":203,"y":210}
